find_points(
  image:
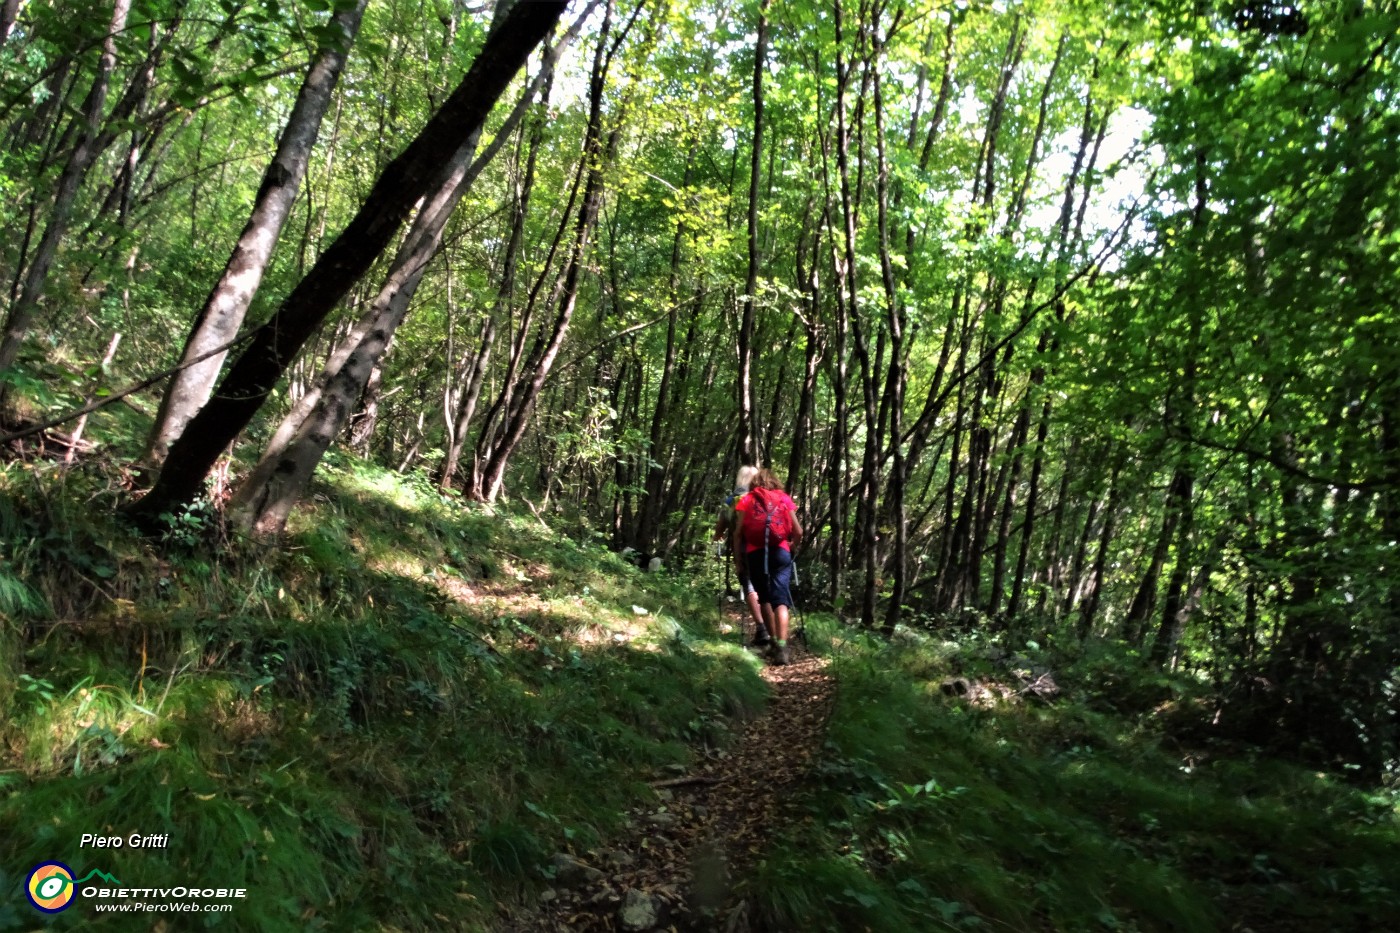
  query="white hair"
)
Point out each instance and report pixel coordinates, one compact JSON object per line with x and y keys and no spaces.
{"x":746,"y":477}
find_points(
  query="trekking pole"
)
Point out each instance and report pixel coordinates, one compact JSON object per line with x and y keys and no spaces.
{"x":719,"y":596}
{"x":801,"y":619}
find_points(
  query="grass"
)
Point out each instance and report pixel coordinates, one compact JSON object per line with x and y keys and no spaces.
{"x":933,"y":813}
{"x":389,"y":724}
{"x":393,"y":721}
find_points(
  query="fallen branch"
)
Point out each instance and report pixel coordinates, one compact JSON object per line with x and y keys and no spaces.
{"x":119,"y":396}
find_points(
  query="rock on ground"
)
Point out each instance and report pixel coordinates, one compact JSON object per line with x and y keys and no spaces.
{"x":639,"y":911}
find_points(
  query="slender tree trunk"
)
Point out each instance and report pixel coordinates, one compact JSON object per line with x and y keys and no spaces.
{"x":809,"y":283}
{"x":126,"y":116}
{"x":1090,"y":607}
{"x":1003,"y":543}
{"x":493,"y":423}
{"x":1018,"y":585}
{"x":504,"y":297}
{"x":649,"y":522}
{"x":864,"y":541}
{"x":597,"y":153}
{"x":1074,"y":586}
{"x":407,"y":178}
{"x":283,"y":474}
{"x":78,"y":428}
{"x":896,"y":377}
{"x":223,"y":312}
{"x":747,"y":430}
{"x":1174,"y":606}
{"x":1179,"y":495}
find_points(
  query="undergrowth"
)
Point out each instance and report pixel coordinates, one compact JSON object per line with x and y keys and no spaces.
{"x":388,"y":723}
{"x":393,"y":719}
{"x":933,"y":812}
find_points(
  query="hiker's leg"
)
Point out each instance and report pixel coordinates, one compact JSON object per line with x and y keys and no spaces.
{"x":755,"y":607}
{"x":780,"y":591}
{"x":761,"y":626}
{"x":754,"y":562}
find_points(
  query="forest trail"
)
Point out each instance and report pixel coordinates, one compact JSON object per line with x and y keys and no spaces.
{"x":682,"y":858}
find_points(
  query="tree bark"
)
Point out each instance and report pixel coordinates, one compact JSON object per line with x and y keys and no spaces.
{"x":407,"y":178}
{"x":649,"y":521}
{"x":282,"y":475}
{"x":1090,"y":607}
{"x":466,"y":408}
{"x":896,"y":377}
{"x":222,"y":315}
{"x":9,"y":14}
{"x":747,"y":453}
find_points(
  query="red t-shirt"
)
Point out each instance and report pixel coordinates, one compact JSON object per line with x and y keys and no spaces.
{"x":781,"y":499}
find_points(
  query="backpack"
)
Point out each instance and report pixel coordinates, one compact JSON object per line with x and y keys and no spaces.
{"x":768,"y":521}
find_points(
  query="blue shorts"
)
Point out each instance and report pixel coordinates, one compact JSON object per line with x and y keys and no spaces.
{"x":774,"y":587}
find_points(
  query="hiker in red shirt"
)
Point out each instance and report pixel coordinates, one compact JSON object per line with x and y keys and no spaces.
{"x":724,"y":525}
{"x":764,"y":534}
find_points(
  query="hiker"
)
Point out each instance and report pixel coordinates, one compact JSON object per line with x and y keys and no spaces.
{"x":724,"y":523}
{"x":765,"y":533}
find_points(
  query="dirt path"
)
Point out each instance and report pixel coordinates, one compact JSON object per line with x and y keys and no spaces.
{"x":680,"y":865}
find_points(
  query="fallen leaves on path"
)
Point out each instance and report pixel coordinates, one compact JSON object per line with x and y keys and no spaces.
{"x":682,"y":862}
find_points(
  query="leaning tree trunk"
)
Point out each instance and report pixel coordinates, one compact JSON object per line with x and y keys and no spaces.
{"x":1090,"y":606}
{"x":466,"y":407}
{"x":278,"y":482}
{"x":265,"y":500}
{"x":223,"y":312}
{"x":406,"y":179}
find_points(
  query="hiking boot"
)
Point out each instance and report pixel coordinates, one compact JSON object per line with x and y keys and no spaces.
{"x":779,"y":655}
{"x":761,"y":638}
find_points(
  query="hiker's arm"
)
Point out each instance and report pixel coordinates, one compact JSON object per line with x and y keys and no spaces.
{"x":796,"y":531}
{"x":722,"y":524}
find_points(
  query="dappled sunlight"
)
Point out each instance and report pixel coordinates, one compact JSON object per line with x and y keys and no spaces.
{"x":1027,"y":812}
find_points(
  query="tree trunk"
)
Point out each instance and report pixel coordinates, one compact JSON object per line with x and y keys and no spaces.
{"x":1090,"y":607}
{"x":809,"y":283}
{"x":747,"y":453}
{"x":404,"y":181}
{"x":1074,"y":585}
{"x":896,"y":377}
{"x":9,"y":13}
{"x":597,"y":153}
{"x":223,"y":312}
{"x":283,"y":474}
{"x":80,"y":159}
{"x":504,"y":295}
{"x":649,"y":522}
{"x":863,"y":542}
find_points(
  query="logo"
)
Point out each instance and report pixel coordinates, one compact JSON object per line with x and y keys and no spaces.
{"x":50,"y":886}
